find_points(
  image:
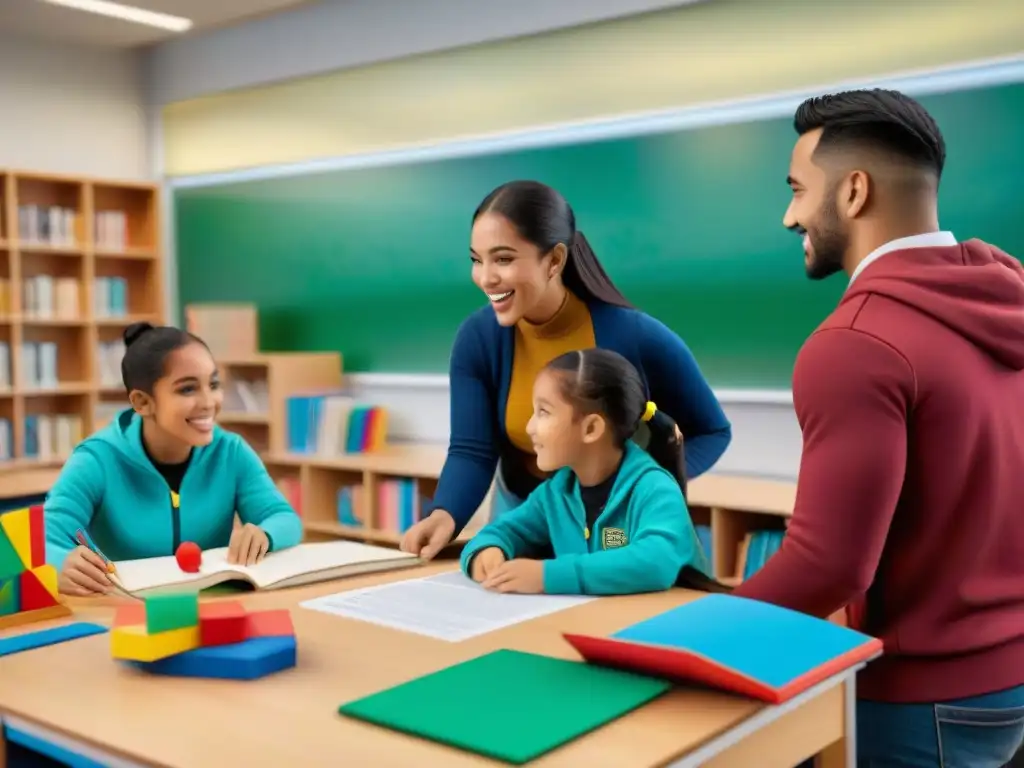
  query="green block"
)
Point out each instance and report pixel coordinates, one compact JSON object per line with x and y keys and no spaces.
{"x":533,"y":703}
{"x":10,"y":562}
{"x":171,"y":611}
{"x":10,"y":597}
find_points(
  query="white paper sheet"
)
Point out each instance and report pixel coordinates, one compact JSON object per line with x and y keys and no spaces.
{"x":449,"y":607}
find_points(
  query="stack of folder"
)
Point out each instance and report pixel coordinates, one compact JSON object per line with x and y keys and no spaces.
{"x":736,"y":645}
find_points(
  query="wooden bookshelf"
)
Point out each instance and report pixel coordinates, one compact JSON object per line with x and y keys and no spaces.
{"x":732,"y":506}
{"x":80,"y":260}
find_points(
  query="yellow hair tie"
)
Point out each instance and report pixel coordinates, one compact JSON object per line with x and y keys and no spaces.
{"x":649,"y":411}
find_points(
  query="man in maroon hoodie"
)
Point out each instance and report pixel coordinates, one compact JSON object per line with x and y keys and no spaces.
{"x":910,"y":398}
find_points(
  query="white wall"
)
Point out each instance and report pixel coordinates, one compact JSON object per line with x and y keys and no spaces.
{"x":336,"y":34}
{"x":75,"y":111}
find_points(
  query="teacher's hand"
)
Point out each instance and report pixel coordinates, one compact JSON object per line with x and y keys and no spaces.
{"x":248,"y":545}
{"x":429,"y":536}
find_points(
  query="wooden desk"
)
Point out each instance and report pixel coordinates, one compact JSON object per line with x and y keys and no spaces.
{"x":75,"y":695}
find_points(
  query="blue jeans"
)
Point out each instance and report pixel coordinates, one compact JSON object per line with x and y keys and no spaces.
{"x":978,"y":732}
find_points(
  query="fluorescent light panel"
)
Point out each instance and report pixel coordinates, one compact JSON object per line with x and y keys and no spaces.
{"x":127,"y":13}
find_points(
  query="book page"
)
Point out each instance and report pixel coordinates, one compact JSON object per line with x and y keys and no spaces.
{"x":322,"y":556}
{"x":449,"y":607}
{"x":152,"y":572}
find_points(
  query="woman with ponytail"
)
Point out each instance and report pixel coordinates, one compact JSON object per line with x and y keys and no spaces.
{"x":547,"y":295}
{"x":612,"y":519}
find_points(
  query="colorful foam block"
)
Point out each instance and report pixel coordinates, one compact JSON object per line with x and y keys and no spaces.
{"x":172,"y":611}
{"x":134,"y":643}
{"x":249,"y":660}
{"x":130,"y":614}
{"x":25,"y":531}
{"x":44,"y":637}
{"x":10,"y":561}
{"x":10,"y":601}
{"x":38,"y":588}
{"x":222,"y":623}
{"x":271,"y":624}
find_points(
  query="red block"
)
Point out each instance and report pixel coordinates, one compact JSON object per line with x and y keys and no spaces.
{"x":37,"y":536}
{"x":33,"y":594}
{"x":222,"y":623}
{"x":271,"y":624}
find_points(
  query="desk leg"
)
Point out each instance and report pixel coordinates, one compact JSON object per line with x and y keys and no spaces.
{"x":843,"y":754}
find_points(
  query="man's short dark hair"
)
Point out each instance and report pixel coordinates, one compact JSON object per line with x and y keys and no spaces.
{"x":876,"y":119}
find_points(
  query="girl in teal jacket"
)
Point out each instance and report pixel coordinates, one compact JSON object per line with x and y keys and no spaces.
{"x":162,"y":472}
{"x":614,"y":514}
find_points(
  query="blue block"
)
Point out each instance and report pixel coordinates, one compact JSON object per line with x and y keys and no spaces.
{"x":45,"y":637}
{"x":248,"y":660}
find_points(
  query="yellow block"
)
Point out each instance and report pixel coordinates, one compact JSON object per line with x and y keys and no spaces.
{"x":133,"y":644}
{"x":16,"y":525}
{"x":47,"y":576}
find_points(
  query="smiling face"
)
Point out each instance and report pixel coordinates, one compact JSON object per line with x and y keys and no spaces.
{"x":813,"y":211}
{"x":519,"y":280}
{"x":185,"y":401}
{"x":561,"y":437}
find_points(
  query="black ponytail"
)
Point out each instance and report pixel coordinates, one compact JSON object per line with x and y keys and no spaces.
{"x":602,"y":381}
{"x":147,"y":348}
{"x":544,"y":218}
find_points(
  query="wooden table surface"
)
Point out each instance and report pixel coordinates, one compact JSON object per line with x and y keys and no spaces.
{"x":78,"y":690}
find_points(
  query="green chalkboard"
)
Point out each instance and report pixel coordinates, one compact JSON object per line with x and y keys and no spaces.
{"x":374,"y":262}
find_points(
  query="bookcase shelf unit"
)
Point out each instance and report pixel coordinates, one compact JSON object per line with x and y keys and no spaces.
{"x":319,"y":479}
{"x":257,"y":387}
{"x":80,"y":260}
{"x":732,"y":507}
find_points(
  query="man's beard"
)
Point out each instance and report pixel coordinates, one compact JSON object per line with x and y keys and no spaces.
{"x":828,"y":243}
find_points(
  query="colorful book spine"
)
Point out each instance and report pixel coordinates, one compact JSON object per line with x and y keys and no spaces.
{"x":332,"y":424}
{"x":399,"y":504}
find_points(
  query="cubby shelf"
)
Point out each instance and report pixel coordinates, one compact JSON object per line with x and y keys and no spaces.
{"x":80,"y":260}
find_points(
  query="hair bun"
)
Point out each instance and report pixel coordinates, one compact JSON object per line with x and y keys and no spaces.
{"x":134,"y":331}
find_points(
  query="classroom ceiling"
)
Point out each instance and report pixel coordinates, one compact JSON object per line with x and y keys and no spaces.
{"x":35,"y":19}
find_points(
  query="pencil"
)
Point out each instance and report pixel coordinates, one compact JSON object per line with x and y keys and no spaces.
{"x":83,"y":540}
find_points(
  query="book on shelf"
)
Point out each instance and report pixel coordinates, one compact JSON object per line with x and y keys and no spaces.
{"x":5,"y":365}
{"x":39,"y":364}
{"x":6,"y":440}
{"x":333,"y":423}
{"x":246,"y":395}
{"x":111,"y":230}
{"x":49,"y":437}
{"x":5,"y":293}
{"x":108,"y":358}
{"x":49,"y":297}
{"x":756,"y":549}
{"x":47,"y":225}
{"x":291,"y":489}
{"x":400,"y":504}
{"x":110,"y":297}
{"x":296,"y":566}
{"x":735,"y":644}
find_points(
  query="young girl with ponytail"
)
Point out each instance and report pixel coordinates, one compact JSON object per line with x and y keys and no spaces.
{"x":614,"y":514}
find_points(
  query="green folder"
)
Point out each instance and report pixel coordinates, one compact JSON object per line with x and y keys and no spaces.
{"x":508,"y":705}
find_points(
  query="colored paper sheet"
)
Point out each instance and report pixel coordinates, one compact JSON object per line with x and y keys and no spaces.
{"x":508,"y":705}
{"x":44,"y":637}
{"x":764,"y":642}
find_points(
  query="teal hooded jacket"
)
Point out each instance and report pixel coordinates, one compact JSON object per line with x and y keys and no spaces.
{"x":110,"y":489}
{"x":641,"y":542}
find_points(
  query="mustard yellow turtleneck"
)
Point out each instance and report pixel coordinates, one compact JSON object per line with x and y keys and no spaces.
{"x":535,"y":346}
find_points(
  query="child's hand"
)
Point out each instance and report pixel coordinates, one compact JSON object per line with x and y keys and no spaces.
{"x":523,"y":576}
{"x":248,"y":545}
{"x":84,"y":574}
{"x":485,"y":562}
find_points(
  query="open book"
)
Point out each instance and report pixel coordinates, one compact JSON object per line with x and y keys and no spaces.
{"x":301,"y":564}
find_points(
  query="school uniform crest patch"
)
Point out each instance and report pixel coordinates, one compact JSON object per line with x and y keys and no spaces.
{"x":611,"y":538}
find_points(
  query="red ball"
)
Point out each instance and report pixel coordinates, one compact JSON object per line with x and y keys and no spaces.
{"x":189,"y":556}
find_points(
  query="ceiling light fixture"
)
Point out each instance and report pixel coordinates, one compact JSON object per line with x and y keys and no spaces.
{"x":127,"y":13}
